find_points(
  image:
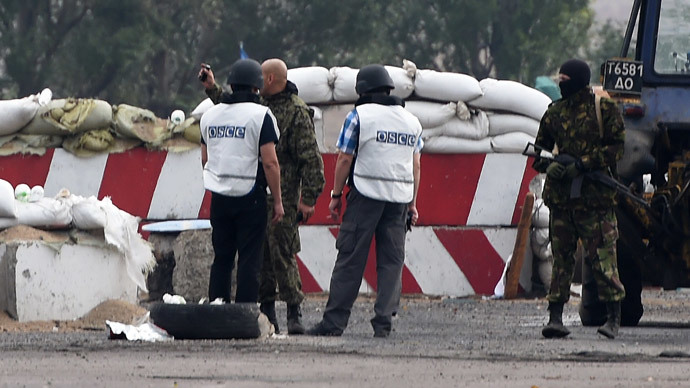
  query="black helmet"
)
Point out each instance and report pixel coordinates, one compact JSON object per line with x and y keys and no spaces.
{"x":372,"y":77}
{"x":246,"y":72}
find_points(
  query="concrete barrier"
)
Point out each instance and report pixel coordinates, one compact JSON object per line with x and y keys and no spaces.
{"x":42,"y":280}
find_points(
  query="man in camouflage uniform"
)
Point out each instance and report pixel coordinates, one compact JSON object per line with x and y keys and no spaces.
{"x":570,"y":125}
{"x":302,"y":180}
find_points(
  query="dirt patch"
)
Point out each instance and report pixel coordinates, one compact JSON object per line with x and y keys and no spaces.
{"x":27,"y":233}
{"x":112,"y":310}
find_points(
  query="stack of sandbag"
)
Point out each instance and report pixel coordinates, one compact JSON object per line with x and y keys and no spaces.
{"x":86,"y":127}
{"x":27,"y":206}
{"x":540,"y":241}
{"x":458,"y":113}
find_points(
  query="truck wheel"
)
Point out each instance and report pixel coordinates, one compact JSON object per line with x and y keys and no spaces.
{"x":592,"y":311}
{"x":206,"y":321}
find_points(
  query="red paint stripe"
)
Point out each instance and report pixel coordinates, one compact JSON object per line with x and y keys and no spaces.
{"x":309,"y":284}
{"x":205,"y":211}
{"x":527,"y":177}
{"x":130,"y":179}
{"x":29,"y":169}
{"x":409,"y":283}
{"x":447,"y":187}
{"x":475,"y":256}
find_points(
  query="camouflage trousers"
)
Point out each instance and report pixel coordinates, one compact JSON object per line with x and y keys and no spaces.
{"x":598,"y":230}
{"x":279,"y":270}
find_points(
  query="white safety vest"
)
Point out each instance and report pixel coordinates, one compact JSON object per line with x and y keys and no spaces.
{"x":384,"y":164}
{"x":231,"y":133}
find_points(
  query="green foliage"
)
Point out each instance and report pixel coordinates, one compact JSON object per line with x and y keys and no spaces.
{"x":147,"y":53}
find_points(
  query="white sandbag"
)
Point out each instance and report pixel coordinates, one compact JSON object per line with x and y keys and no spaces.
{"x":540,"y":243}
{"x":511,"y":96}
{"x":540,"y":216}
{"x":511,"y":143}
{"x":87,"y":213}
{"x":201,"y":108}
{"x":137,"y":123}
{"x":544,"y":269}
{"x":456,"y":145}
{"x":16,"y":114}
{"x":70,"y":115}
{"x":313,"y":83}
{"x":501,"y":123}
{"x":44,"y":213}
{"x":344,"y":81}
{"x":477,"y":127}
{"x":404,"y":85}
{"x":7,"y":201}
{"x":442,"y":86}
{"x":432,"y":114}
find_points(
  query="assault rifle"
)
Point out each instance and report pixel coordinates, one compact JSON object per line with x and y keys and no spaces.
{"x":576,"y":186}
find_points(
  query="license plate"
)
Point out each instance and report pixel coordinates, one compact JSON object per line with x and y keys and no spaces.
{"x":621,"y":76}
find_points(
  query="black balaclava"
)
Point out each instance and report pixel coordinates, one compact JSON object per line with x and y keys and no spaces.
{"x":579,"y":74}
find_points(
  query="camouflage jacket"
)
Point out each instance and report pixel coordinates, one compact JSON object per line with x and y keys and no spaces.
{"x":570,"y":125}
{"x":301,"y":165}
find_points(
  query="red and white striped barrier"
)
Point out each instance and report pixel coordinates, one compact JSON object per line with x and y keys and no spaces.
{"x":469,"y":206}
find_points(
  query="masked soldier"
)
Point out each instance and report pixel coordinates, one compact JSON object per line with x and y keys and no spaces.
{"x":571,"y":126}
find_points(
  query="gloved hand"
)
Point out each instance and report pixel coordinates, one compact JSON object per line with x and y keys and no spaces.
{"x":555,"y":171}
{"x":571,"y":171}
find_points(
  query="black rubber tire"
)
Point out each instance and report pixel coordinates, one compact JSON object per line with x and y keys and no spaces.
{"x":205,"y":321}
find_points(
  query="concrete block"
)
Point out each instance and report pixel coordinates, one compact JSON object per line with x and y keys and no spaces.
{"x":60,"y":281}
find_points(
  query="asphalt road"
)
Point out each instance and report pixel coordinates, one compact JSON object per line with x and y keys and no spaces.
{"x":435,"y":343}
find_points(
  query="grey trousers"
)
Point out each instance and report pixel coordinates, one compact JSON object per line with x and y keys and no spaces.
{"x":364,"y":219}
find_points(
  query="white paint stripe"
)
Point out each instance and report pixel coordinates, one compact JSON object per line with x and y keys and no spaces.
{"x":318,"y":255}
{"x":503,"y":241}
{"x":81,"y":176}
{"x":497,"y":190}
{"x":180,"y":188}
{"x":432,"y":266}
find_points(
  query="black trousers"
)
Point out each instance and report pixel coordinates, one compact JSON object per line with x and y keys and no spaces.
{"x":239,"y":227}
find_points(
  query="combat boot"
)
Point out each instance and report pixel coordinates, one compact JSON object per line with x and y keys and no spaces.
{"x":294,"y":319}
{"x":613,"y":320}
{"x":555,"y":328}
{"x":269,"y":308}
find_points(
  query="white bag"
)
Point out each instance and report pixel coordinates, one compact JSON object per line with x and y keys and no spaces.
{"x":432,"y":114}
{"x":16,"y":114}
{"x":456,"y":145}
{"x":404,"y":85}
{"x":202,"y":108}
{"x":511,"y":143}
{"x":511,"y":96}
{"x":474,"y":129}
{"x":344,"y":81}
{"x":442,"y":86}
{"x":46,"y":212}
{"x":501,"y":123}
{"x":313,"y":83}
{"x":7,"y":201}
{"x":540,"y":217}
{"x":87,"y":213}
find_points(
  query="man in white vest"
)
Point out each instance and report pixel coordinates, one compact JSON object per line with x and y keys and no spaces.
{"x":239,"y":158}
{"x":379,"y":157}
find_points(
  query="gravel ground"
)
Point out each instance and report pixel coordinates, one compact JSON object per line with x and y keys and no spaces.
{"x":435,"y":342}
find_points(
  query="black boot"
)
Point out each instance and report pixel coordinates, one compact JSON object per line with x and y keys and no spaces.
{"x":269,"y":308}
{"x":555,"y":328}
{"x":613,"y":320}
{"x":294,"y":319}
